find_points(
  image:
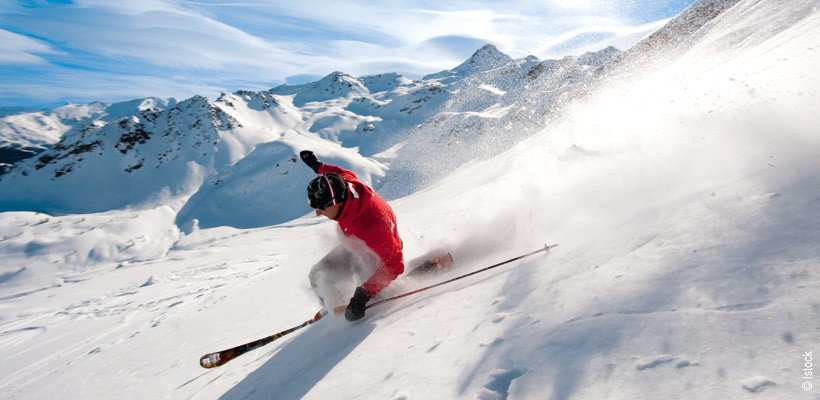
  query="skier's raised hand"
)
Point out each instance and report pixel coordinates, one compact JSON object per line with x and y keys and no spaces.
{"x":310,"y":160}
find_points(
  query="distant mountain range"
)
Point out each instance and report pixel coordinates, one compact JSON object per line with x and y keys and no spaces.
{"x":234,"y":156}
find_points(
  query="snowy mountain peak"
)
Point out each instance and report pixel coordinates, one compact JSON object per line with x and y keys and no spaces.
{"x":598,"y":58}
{"x":196,"y":101}
{"x":109,"y":164}
{"x":116,"y":111}
{"x":334,"y":85}
{"x":259,"y":101}
{"x":383,"y":82}
{"x":26,"y":134}
{"x":484,"y":59}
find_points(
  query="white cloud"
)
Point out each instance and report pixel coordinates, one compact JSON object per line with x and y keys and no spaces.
{"x":87,"y":86}
{"x":131,"y":7}
{"x":473,"y":15}
{"x":573,"y":4}
{"x":19,"y":49}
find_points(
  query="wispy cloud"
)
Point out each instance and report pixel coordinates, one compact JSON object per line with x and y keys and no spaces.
{"x":181,"y":48}
{"x":20,"y":49}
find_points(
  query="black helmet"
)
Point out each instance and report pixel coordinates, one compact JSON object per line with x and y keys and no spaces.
{"x":326,"y":190}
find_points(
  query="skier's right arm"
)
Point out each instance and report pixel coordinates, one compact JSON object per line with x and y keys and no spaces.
{"x":347,"y":175}
{"x":318,"y":167}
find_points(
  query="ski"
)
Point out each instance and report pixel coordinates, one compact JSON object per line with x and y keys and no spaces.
{"x":213,"y":360}
{"x":432,"y":266}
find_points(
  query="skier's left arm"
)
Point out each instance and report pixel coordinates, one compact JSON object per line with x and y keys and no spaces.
{"x":387,"y":245}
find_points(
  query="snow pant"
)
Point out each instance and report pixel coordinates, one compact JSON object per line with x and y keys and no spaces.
{"x":332,"y":278}
{"x":335,"y":277}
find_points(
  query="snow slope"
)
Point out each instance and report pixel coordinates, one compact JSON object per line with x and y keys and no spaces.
{"x":685,"y":203}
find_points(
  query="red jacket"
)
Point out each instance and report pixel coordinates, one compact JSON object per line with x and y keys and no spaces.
{"x":367,"y":216}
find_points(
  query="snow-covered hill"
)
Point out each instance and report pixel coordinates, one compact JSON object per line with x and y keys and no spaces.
{"x":684,"y":199}
{"x":128,"y":161}
{"x":25,"y":133}
{"x":36,"y":127}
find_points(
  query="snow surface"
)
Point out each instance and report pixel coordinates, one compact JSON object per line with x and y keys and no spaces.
{"x":685,"y":203}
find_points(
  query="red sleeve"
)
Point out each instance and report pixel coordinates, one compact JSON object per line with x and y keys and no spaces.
{"x":384,"y":240}
{"x":346,"y":174}
{"x":392,"y":266}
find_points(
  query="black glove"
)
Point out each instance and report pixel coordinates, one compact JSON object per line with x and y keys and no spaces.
{"x":310,"y":160}
{"x":355,"y":310}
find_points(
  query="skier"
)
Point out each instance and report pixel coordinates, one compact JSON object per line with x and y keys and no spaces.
{"x":367,"y":221}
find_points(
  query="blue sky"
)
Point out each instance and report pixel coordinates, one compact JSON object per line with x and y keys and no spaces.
{"x":63,"y":51}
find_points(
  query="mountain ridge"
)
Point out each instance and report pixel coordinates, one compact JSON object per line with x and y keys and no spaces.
{"x":198,"y":138}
